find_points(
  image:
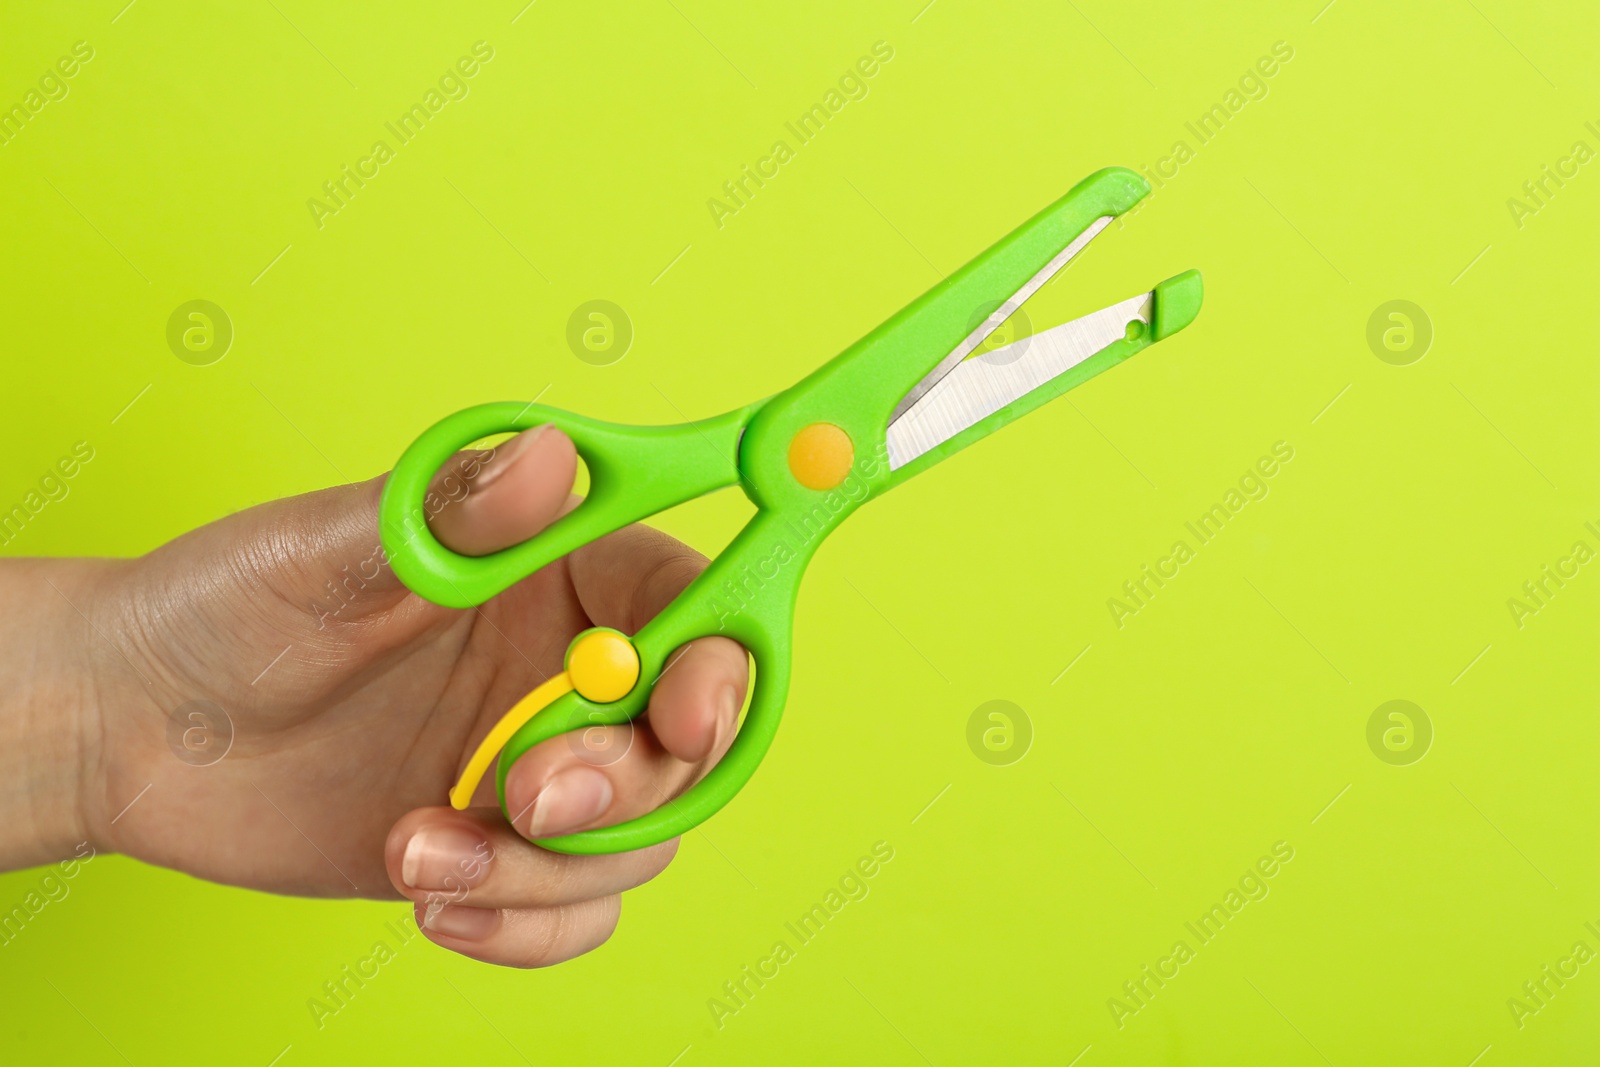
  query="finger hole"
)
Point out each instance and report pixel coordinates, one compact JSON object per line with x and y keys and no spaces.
{"x":549,"y":793}
{"x":483,"y":502}
{"x":694,"y":709}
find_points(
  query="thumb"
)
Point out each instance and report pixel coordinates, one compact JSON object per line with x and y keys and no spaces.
{"x":478,"y":502}
{"x":321,"y":551}
{"x":506,"y":497}
{"x":307,"y":569}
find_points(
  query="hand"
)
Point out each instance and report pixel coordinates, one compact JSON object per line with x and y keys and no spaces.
{"x":354,"y":703}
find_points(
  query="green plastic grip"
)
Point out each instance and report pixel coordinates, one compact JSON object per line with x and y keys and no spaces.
{"x":748,"y":594}
{"x":634,"y":472}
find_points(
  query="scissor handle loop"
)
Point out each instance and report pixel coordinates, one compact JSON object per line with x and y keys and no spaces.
{"x":634,"y":472}
{"x":759,"y":614}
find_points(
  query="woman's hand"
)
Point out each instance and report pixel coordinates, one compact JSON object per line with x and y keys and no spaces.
{"x":353,"y":704}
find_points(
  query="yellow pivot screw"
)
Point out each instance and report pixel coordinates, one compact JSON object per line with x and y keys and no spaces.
{"x":820,"y":456}
{"x":603,"y":665}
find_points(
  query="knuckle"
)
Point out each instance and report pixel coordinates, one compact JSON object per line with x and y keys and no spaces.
{"x":601,"y":922}
{"x":668,"y":576}
{"x":564,"y":933}
{"x":544,"y":943}
{"x":659,"y":858}
{"x":648,"y":863}
{"x":561,"y":880}
{"x":607,"y":924}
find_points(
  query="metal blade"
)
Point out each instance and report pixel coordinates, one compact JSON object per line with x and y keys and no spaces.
{"x":980,"y":387}
{"x":999,"y":316}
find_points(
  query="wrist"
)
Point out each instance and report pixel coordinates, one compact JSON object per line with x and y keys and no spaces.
{"x":47,"y":718}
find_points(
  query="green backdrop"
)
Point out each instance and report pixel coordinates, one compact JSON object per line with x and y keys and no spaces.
{"x":1427,"y":460}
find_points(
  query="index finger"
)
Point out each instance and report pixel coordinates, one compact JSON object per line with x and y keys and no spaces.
{"x":625,"y":579}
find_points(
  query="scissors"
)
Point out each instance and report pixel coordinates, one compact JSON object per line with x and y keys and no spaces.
{"x":904,"y":397}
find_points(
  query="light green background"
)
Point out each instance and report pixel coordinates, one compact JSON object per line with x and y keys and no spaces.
{"x":1224,"y":717}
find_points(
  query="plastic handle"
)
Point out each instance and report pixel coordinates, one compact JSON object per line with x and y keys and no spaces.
{"x":748,"y":593}
{"x":634,"y":472}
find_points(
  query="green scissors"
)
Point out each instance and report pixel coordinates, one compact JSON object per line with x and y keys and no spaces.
{"x":890,"y":406}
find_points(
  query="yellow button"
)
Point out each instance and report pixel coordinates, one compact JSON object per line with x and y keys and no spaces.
{"x":820,"y":456}
{"x":603,"y":665}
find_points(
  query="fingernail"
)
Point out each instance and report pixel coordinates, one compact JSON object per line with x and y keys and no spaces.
{"x":570,"y":799}
{"x":506,"y":455}
{"x":451,"y":920}
{"x":445,"y":857}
